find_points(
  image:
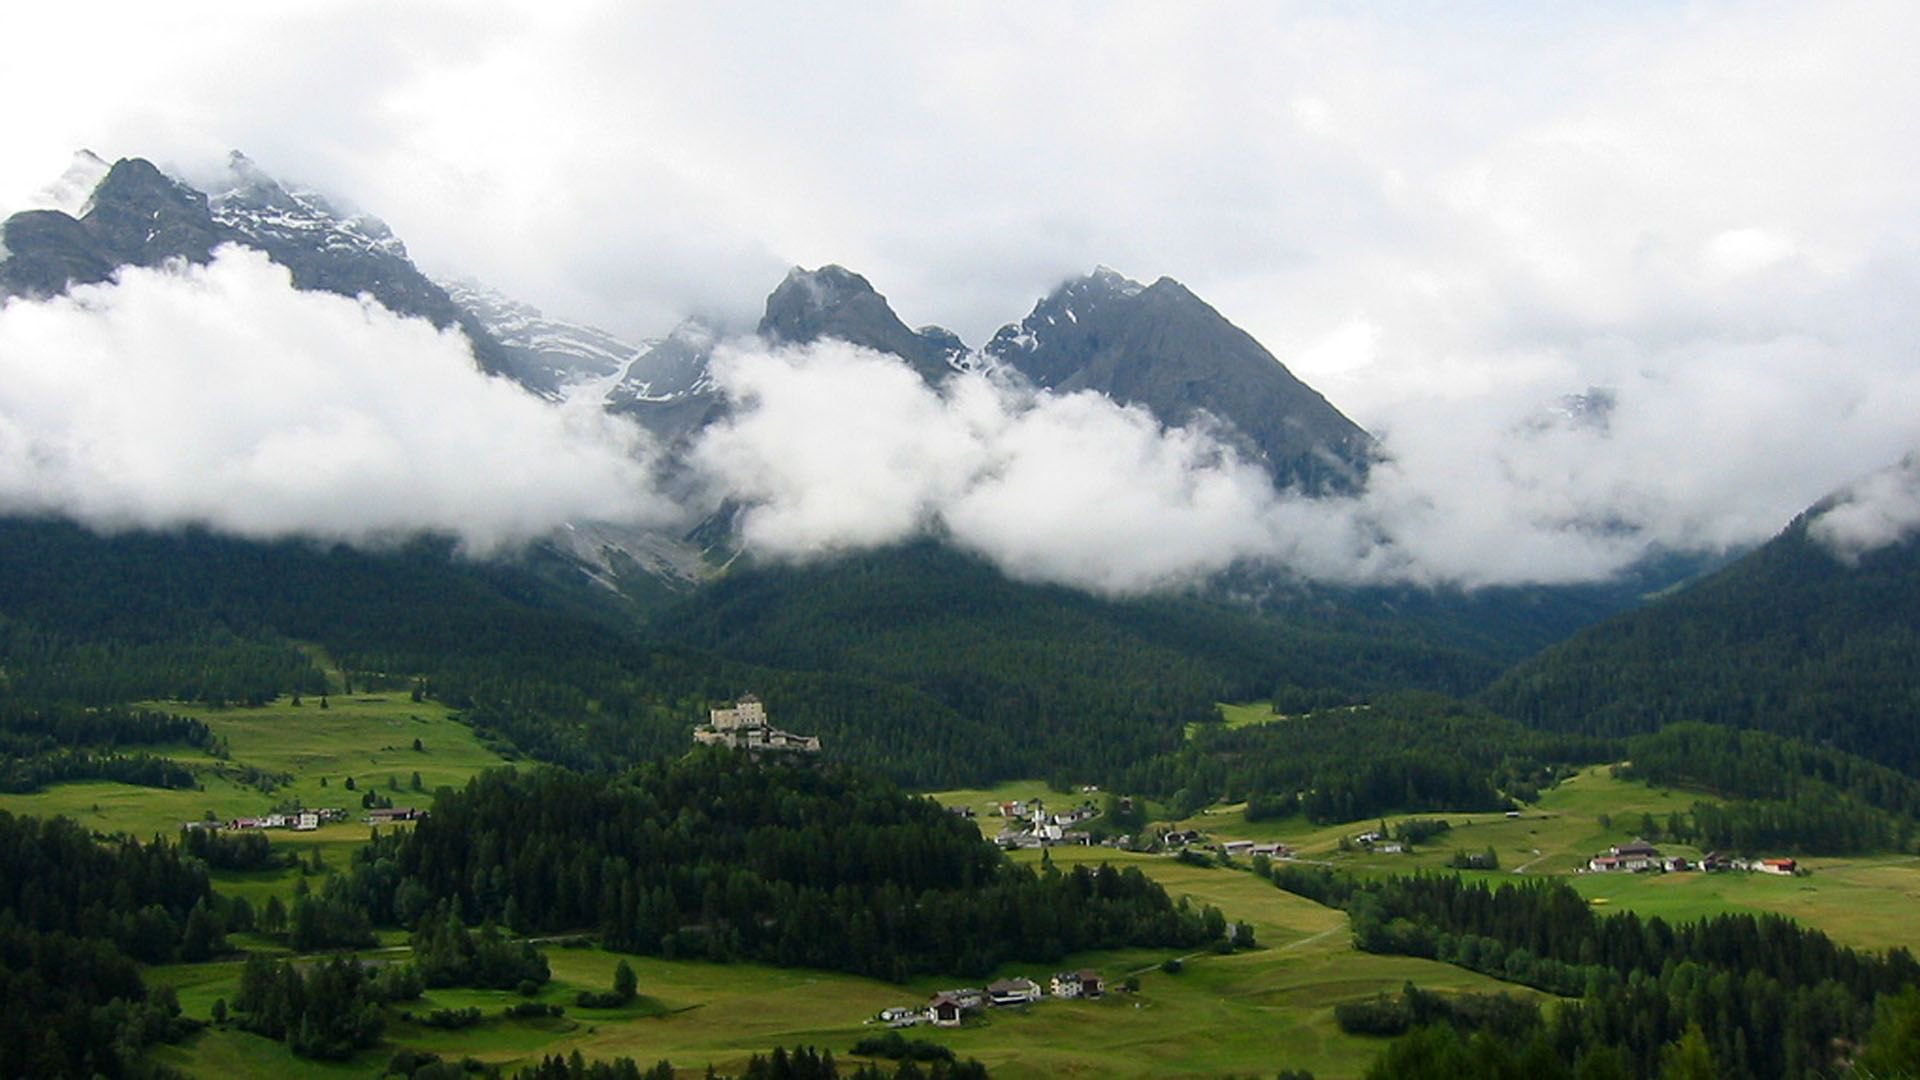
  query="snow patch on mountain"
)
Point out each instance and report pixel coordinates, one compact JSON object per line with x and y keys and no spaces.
{"x":260,"y":209}
{"x":576,"y":355}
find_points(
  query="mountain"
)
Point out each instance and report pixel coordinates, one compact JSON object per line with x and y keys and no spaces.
{"x":137,"y":215}
{"x":669,"y":388}
{"x":548,"y":353}
{"x":1797,"y":638}
{"x":834,"y":302}
{"x":1163,"y":348}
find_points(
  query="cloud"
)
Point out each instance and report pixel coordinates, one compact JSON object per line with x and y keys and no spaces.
{"x":1880,"y":510}
{"x":221,"y":396}
{"x":1442,"y":217}
{"x":834,"y":447}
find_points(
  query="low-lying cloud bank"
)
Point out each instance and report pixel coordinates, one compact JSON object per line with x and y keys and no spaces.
{"x":221,"y":396}
{"x":834,"y":448}
{"x":1882,"y":509}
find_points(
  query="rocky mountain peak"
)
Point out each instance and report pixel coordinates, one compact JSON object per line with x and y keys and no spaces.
{"x":145,"y":216}
{"x":834,"y":302}
{"x":1162,"y":347}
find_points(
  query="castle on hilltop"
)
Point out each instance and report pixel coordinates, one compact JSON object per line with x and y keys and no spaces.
{"x":745,"y":727}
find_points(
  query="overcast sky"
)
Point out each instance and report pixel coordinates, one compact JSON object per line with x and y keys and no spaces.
{"x":1444,"y":216}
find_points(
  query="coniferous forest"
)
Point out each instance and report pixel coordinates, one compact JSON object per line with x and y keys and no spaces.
{"x":716,"y":858}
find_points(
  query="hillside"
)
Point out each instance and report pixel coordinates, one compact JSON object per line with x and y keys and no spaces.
{"x":1789,"y":639}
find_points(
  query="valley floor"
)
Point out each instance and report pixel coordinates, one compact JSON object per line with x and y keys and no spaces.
{"x":1252,"y":1012}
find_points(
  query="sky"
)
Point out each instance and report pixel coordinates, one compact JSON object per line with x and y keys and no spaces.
{"x":1445,"y":217}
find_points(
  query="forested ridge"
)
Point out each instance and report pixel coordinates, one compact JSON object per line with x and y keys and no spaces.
{"x":1791,"y":639}
{"x":916,"y":660}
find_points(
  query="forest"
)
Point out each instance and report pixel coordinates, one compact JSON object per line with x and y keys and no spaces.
{"x":1790,"y":640}
{"x":717,"y":857}
{"x":1422,"y":752}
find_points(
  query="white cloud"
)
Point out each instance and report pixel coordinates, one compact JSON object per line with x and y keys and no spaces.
{"x":1880,"y":510}
{"x":222,"y":396}
{"x":1443,"y":218}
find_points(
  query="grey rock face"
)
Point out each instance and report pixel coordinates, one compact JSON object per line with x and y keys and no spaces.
{"x":1163,"y":348}
{"x":834,"y":302}
{"x":137,"y":216}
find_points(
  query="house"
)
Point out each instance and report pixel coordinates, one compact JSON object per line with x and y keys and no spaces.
{"x":387,"y":815}
{"x":1272,"y":851}
{"x":1237,"y":847}
{"x":306,"y":821}
{"x":1714,"y":861}
{"x":1020,"y":991}
{"x":944,"y":1011}
{"x":1675,"y":864}
{"x":745,"y":727}
{"x":1637,"y":855}
{"x":1604,"y":864}
{"x":902,"y":1015}
{"x":1077,"y":984}
{"x":960,"y":811}
{"x":1389,"y":847}
{"x":1369,"y":837}
{"x":1181,"y":837}
{"x":969,"y":997}
{"x":1783,"y":867}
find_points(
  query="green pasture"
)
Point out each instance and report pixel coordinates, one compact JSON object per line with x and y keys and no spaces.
{"x":1239,"y":716}
{"x":368,"y":737}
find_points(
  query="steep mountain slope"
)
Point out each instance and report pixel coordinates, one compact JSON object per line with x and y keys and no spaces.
{"x":1162,"y":347}
{"x":1791,"y":639}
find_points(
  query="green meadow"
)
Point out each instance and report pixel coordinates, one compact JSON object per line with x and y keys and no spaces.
{"x":309,"y":752}
{"x":1251,"y":1012}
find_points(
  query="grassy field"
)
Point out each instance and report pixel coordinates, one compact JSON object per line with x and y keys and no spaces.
{"x":1239,"y":716}
{"x":367,"y":737}
{"x":1251,"y":1012}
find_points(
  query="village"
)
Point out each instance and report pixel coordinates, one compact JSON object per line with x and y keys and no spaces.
{"x":1638,"y":856}
{"x":309,"y":820}
{"x":949,"y":1008}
